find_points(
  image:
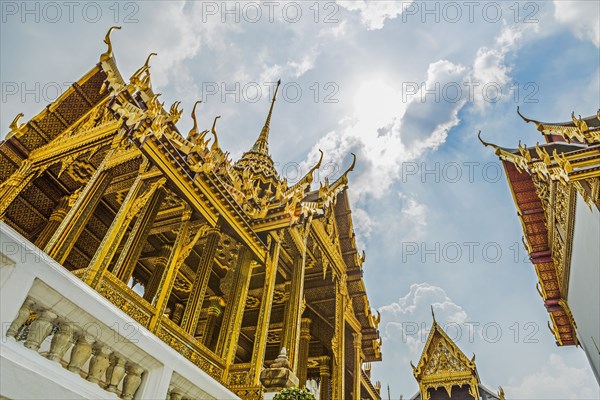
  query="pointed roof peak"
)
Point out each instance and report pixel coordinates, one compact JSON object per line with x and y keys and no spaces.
{"x":440,"y":346}
{"x":262,"y":143}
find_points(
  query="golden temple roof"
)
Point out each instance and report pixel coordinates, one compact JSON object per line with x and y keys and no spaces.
{"x":101,"y":114}
{"x":443,"y":366}
{"x":545,"y":180}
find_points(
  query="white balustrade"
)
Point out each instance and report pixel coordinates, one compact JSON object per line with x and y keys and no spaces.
{"x":61,"y":339}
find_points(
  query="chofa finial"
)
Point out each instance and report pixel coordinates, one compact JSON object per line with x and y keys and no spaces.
{"x":501,"y":393}
{"x":194,"y":131}
{"x":16,"y":129}
{"x":147,"y":63}
{"x":317,"y":165}
{"x":538,"y":124}
{"x":522,"y":116}
{"x":109,"y":52}
{"x":215,"y":144}
{"x":486,"y":144}
{"x":353,"y":164}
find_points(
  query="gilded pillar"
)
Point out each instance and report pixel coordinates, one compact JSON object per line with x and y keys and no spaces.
{"x":193,"y":307}
{"x":68,"y":232}
{"x":325,"y":375}
{"x":160,"y":264}
{"x":134,"y":244}
{"x":337,"y":343}
{"x":234,"y":309}
{"x":212,"y":315}
{"x":303,"y":351}
{"x":266,"y":304}
{"x":177,"y":313}
{"x":58,"y":214}
{"x":170,"y":273}
{"x":132,"y":204}
{"x":16,"y":183}
{"x":357,"y":365}
{"x":293,"y":312}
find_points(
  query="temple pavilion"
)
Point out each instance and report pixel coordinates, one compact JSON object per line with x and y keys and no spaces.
{"x":141,"y":262}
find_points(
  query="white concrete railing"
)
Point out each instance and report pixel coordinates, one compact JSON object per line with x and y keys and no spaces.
{"x":60,"y":339}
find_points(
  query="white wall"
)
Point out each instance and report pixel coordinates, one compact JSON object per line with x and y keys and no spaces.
{"x":584,"y":281}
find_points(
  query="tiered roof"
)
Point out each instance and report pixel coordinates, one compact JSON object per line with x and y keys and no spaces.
{"x":248,"y":194}
{"x":544,"y":180}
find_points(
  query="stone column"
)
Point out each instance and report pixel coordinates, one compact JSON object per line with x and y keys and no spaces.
{"x":40,"y":329}
{"x":196,"y":298}
{"x":134,"y":244}
{"x":22,"y":317}
{"x":99,"y":362}
{"x":266,"y":304}
{"x":115,"y":372}
{"x":61,"y":341}
{"x":293,"y":311}
{"x":65,"y":237}
{"x":214,"y":311}
{"x":303,"y":351}
{"x":129,"y":209}
{"x":325,"y":375}
{"x":160,"y":263}
{"x":132,"y":381}
{"x":82,"y":350}
{"x":234,"y":310}
{"x":357,"y":364}
{"x":170,"y":273}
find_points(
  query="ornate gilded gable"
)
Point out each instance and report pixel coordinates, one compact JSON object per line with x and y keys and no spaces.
{"x":444,"y":365}
{"x":444,"y":360}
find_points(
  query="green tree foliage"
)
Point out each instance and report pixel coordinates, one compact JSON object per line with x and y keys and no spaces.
{"x":294,"y":393}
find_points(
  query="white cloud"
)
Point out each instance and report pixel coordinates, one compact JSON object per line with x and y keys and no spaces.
{"x":414,"y":218}
{"x":374,"y":13}
{"x":390,"y":125}
{"x":581,"y":17}
{"x":386,"y":129}
{"x":555,"y":380}
{"x":490,"y":68}
{"x":407,"y":322}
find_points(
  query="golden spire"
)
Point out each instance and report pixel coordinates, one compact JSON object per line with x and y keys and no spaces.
{"x":262,"y":143}
{"x":108,"y":54}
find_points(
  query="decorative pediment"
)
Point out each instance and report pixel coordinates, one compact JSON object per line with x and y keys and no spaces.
{"x":444,"y":360}
{"x":442,"y":357}
{"x":443,"y":364}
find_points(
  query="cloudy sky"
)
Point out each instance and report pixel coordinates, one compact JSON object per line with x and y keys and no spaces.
{"x":406,"y":86}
